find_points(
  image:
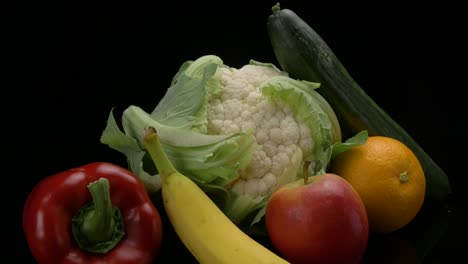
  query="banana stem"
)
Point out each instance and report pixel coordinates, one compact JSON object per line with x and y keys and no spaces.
{"x":160,"y":159}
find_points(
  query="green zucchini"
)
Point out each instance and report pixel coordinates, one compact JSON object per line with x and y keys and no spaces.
{"x":302,"y":53}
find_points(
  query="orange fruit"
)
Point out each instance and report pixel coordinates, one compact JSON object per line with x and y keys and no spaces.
{"x":388,"y":177}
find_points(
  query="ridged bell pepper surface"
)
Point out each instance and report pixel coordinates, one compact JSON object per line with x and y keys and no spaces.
{"x":97,"y":213}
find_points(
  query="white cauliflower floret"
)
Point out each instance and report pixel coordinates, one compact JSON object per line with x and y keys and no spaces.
{"x":281,"y":137}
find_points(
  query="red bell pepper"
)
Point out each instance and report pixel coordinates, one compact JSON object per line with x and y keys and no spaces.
{"x":97,"y":213}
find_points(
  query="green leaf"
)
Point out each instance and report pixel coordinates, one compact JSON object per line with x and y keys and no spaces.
{"x":310,"y":108}
{"x":357,"y":140}
{"x":184,"y":104}
{"x":268,"y":65}
{"x":117,"y":140}
{"x":261,"y":212}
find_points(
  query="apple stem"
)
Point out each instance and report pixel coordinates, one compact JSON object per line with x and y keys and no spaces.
{"x":305,"y":171}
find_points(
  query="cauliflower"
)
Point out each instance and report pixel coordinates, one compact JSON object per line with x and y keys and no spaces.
{"x":282,"y":139}
{"x":241,"y":133}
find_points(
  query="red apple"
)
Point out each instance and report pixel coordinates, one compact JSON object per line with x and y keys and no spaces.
{"x":323,"y":221}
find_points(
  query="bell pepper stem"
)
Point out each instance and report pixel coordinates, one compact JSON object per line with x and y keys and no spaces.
{"x":98,"y":224}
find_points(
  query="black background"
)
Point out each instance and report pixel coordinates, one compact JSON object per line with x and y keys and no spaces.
{"x":66,"y":64}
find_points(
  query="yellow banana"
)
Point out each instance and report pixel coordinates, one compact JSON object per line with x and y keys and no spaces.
{"x":205,"y":230}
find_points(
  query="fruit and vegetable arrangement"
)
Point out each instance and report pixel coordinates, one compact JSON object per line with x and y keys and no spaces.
{"x":297,"y":154}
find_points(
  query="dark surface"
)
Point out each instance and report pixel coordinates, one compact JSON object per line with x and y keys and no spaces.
{"x":67,"y":64}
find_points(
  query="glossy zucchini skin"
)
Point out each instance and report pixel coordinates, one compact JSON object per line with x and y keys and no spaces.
{"x":302,"y":53}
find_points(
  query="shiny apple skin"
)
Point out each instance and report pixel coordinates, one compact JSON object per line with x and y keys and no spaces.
{"x":324,"y":221}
